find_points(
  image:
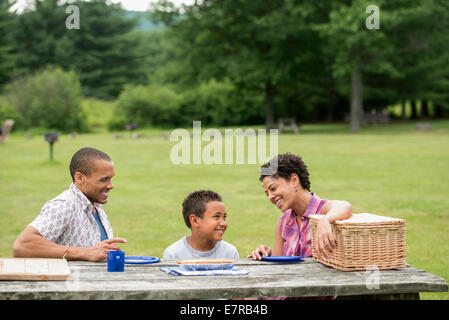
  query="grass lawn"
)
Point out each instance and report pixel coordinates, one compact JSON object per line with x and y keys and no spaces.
{"x":389,"y":170}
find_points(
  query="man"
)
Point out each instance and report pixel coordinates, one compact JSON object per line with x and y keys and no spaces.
{"x":74,"y":225}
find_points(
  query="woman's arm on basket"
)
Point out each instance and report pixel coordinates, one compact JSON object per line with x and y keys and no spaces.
{"x":333,"y":210}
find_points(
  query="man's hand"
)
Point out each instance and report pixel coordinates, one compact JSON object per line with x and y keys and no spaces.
{"x":259,"y":252}
{"x":325,"y":242}
{"x":100,"y":251}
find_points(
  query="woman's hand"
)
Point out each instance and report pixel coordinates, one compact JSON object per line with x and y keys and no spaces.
{"x":259,"y":252}
{"x":325,"y":239}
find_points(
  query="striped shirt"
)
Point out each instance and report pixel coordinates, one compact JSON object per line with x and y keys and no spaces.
{"x":297,"y":239}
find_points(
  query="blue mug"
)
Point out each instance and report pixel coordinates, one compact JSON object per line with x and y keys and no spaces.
{"x":116,"y":261}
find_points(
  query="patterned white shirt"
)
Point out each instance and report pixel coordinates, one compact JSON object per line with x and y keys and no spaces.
{"x":67,"y":220}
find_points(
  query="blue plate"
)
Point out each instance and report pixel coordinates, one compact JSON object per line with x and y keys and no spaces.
{"x":141,"y":260}
{"x":282,"y":259}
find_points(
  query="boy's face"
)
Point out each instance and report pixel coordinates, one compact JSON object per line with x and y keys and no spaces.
{"x":213,"y":224}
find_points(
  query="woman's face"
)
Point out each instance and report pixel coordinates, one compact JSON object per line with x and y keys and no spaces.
{"x":280,"y":191}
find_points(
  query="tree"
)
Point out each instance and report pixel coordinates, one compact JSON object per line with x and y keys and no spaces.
{"x":7,"y":56}
{"x":103,"y":52}
{"x":405,"y":59}
{"x":357,"y":50}
{"x":314,"y":55}
{"x":39,"y":28}
{"x":422,"y":51}
{"x":258,"y":45}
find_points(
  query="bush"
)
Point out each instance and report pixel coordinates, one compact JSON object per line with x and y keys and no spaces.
{"x":117,"y":123}
{"x":147,"y":105}
{"x":214,"y":103}
{"x":98,"y":112}
{"x":49,"y":99}
{"x":221,"y":104}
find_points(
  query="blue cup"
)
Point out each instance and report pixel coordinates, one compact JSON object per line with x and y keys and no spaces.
{"x":116,"y":261}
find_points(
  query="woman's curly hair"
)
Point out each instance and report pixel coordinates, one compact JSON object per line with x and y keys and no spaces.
{"x":287,"y":164}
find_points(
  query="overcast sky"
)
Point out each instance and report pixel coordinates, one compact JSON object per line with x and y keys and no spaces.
{"x":142,"y":5}
{"x":135,"y":5}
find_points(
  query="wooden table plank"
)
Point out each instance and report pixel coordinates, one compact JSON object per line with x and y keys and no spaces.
{"x":254,"y":271}
{"x":33,"y":269}
{"x":308,"y":278}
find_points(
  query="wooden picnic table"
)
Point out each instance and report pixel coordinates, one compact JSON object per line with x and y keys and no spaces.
{"x":90,"y":280}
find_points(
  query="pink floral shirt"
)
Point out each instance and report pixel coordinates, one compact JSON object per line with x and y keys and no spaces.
{"x":67,"y":220}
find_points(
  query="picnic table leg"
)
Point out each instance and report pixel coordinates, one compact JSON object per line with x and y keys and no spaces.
{"x":394,"y":296}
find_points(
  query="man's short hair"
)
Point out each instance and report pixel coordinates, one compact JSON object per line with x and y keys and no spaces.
{"x":196,"y":202}
{"x":83,"y":161}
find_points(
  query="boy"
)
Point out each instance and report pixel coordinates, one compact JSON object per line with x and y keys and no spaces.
{"x":204,"y":213}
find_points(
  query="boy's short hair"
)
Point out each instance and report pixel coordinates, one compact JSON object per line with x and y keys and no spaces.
{"x":196,"y":202}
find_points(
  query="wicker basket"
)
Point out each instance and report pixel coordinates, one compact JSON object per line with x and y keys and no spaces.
{"x":365,"y":242}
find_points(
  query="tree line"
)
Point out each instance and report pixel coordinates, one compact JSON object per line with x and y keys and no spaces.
{"x":239,"y":62}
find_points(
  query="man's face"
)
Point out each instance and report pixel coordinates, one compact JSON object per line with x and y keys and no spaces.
{"x":96,"y":186}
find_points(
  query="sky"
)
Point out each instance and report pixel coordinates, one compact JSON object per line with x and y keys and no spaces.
{"x":142,"y":5}
{"x":134,"y":5}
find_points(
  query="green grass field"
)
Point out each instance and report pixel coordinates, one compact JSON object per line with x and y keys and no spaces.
{"x":388,"y":170}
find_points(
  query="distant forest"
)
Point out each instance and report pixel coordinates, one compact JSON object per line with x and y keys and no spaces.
{"x":237,"y":62}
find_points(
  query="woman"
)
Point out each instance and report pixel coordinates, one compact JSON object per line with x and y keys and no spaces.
{"x":288,"y":188}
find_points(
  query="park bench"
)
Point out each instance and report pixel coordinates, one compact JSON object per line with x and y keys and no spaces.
{"x":375,"y":117}
{"x":6,"y":129}
{"x":423,"y":126}
{"x":372,"y":117}
{"x":287,"y":122}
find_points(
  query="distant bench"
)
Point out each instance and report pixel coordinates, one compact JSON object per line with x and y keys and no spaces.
{"x":423,"y":126}
{"x":287,"y":122}
{"x":376,"y":117}
{"x":373,"y":117}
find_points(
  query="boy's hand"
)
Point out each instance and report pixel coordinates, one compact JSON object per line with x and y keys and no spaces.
{"x":259,"y":252}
